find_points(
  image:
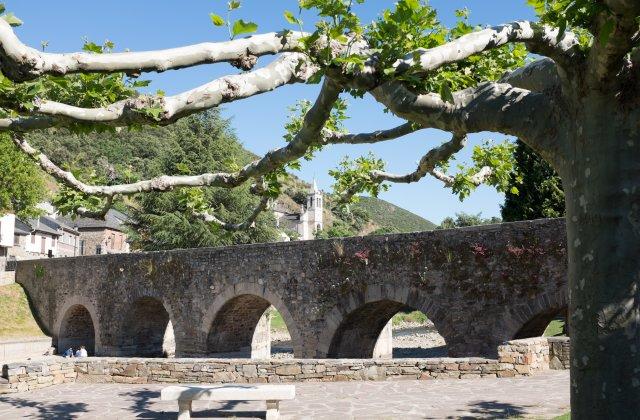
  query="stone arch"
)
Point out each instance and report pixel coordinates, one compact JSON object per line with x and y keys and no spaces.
{"x":537,"y":314}
{"x":357,"y":321}
{"x":77,"y":329}
{"x":230,"y":325}
{"x":77,"y":324}
{"x":147,"y":329}
{"x":536,"y":326}
{"x":357,"y":335}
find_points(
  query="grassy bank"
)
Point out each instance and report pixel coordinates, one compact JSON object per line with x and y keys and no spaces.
{"x":16,"y":319}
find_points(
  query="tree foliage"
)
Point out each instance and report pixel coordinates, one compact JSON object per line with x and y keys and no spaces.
{"x":200,"y":143}
{"x":22,"y":184}
{"x":465,"y":219}
{"x":539,"y":189}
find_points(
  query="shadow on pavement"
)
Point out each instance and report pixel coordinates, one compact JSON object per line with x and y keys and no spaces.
{"x":143,"y":399}
{"x":493,"y":410}
{"x":48,"y":410}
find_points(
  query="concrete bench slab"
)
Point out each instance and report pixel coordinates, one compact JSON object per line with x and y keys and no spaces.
{"x":186,"y":394}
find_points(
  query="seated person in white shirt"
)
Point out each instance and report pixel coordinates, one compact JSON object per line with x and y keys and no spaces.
{"x":82,"y":352}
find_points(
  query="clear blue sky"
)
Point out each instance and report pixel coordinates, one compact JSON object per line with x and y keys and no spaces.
{"x":258,"y":121}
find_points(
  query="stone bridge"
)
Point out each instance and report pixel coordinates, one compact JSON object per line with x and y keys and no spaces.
{"x":480,"y":286}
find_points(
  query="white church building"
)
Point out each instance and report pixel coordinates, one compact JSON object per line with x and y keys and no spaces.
{"x":305,"y":223}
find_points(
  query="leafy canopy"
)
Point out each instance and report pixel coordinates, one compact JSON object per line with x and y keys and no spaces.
{"x":22,"y":184}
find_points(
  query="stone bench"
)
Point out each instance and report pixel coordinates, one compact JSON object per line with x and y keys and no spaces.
{"x":186,"y":394}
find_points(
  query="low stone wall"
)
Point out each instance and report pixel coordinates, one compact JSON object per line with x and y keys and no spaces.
{"x":28,"y":376}
{"x":526,"y":356}
{"x":559,"y":350}
{"x":516,"y":358}
{"x":140,"y":371}
{"x":23,"y":348}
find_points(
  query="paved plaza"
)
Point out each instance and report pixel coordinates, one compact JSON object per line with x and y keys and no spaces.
{"x":540,"y":397}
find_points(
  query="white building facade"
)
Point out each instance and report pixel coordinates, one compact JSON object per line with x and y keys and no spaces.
{"x":307,"y":222}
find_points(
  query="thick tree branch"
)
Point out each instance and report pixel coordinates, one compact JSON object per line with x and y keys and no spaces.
{"x":308,"y":135}
{"x":291,"y":67}
{"x":495,"y":107}
{"x":333,"y":137}
{"x":608,"y":53}
{"x":247,"y":223}
{"x":539,"y":38}
{"x":427,"y":163}
{"x":538,"y":76}
{"x":20,"y":62}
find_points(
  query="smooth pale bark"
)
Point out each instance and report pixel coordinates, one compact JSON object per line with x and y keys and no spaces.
{"x":602,"y":185}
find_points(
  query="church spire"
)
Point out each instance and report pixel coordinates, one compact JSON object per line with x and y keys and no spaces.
{"x":314,"y":188}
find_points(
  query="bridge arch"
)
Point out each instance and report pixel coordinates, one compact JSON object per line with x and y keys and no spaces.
{"x":147,"y":329}
{"x":532,"y":318}
{"x":356,"y":323}
{"x":77,"y":326}
{"x":234,"y":325}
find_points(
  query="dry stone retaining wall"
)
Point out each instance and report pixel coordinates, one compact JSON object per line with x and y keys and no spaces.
{"x":28,"y":376}
{"x":517,"y":358}
{"x":559,"y":350}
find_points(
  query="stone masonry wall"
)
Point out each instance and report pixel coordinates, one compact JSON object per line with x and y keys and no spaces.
{"x":479,"y":286}
{"x":28,"y":376}
{"x":517,"y":358}
{"x":559,"y":350}
{"x":524,"y":357}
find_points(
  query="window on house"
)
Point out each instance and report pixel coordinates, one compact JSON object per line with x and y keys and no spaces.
{"x":33,"y":238}
{"x":81,"y":247}
{"x":98,"y":249}
{"x":319,"y":202}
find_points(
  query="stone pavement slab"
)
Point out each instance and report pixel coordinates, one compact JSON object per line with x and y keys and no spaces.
{"x":540,"y":397}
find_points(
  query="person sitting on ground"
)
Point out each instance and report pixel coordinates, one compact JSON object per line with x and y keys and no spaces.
{"x":82,"y":352}
{"x":68,"y":352}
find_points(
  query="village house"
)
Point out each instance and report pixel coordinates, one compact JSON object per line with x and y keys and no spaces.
{"x":97,"y":236}
{"x":51,"y":236}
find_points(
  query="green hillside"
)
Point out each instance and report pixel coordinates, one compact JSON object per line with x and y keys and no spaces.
{"x":385,"y":214}
{"x":202,"y":143}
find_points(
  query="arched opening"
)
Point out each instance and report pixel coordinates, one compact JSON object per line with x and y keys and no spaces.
{"x":77,"y":330}
{"x":552,"y":322}
{"x":242,"y":329}
{"x":416,"y":336}
{"x":147,"y":330}
{"x":369,"y":331}
{"x":281,"y":343}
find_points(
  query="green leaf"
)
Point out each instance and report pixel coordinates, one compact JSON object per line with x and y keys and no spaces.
{"x":11,"y":19}
{"x":241,"y":27}
{"x":445,"y":92}
{"x":233,"y":4}
{"x":2,"y":8}
{"x":290,"y":17}
{"x":216,"y":19}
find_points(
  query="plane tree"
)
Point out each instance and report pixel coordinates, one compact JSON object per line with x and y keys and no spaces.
{"x":566,"y":85}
